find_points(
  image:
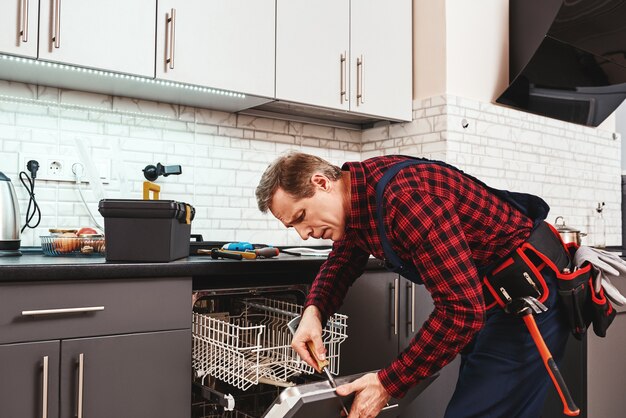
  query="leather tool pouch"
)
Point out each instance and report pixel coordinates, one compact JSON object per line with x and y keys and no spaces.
{"x":583,"y":305}
{"x":516,"y":277}
{"x":520,"y":275}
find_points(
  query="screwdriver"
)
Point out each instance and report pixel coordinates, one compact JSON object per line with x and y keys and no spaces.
{"x":322,"y":365}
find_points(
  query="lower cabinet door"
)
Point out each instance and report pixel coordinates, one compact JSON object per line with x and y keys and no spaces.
{"x":372,"y":306}
{"x":127,"y":376}
{"x":433,"y":401}
{"x":29,"y":380}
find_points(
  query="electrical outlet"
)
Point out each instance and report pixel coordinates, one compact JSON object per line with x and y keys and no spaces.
{"x":62,"y":168}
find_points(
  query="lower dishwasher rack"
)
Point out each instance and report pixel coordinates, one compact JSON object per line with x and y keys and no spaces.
{"x":253,"y":346}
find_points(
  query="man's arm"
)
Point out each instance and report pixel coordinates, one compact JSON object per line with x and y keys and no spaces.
{"x":345,"y":263}
{"x":431,"y":230}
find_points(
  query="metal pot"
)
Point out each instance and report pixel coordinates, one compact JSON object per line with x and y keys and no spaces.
{"x":567,"y":233}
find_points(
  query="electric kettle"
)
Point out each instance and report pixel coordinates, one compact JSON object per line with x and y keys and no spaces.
{"x":9,"y":218}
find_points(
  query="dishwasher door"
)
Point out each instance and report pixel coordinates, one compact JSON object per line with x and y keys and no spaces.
{"x":314,"y":400}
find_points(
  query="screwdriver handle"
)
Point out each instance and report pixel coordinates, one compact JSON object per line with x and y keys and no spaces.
{"x":320,"y":363}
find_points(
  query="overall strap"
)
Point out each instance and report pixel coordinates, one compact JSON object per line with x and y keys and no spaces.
{"x":530,"y":205}
{"x":392,"y":261}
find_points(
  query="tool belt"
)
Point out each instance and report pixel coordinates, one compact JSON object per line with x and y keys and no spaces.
{"x":522,"y":274}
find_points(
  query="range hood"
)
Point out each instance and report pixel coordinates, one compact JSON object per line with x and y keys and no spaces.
{"x":567,"y":58}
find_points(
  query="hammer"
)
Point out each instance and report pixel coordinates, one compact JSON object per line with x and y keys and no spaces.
{"x":523,"y":308}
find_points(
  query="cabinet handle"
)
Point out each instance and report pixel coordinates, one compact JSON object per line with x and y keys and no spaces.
{"x":359,"y":80}
{"x":342,"y":87}
{"x":396,"y":301}
{"x":410,"y":314}
{"x":44,"y":399}
{"x":56,"y":36}
{"x":81,"y":381}
{"x":413,"y":308}
{"x":62,"y":311}
{"x":171,"y":21}
{"x":24,"y":28}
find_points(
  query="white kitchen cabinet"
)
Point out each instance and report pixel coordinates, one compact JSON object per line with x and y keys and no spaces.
{"x":114,"y":35}
{"x":18,"y":27}
{"x":312,"y":47}
{"x":381,"y":58}
{"x":347,"y":55}
{"x":228,"y":44}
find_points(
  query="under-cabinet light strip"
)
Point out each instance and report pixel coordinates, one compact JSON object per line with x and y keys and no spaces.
{"x":41,"y":102}
{"x":146,"y":80}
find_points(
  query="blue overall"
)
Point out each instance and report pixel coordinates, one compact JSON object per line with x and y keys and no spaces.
{"x":501,"y":374}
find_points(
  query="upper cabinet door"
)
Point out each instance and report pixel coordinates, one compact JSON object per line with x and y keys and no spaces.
{"x":381,"y":58}
{"x":18,"y":27}
{"x":228,"y":44}
{"x":312,"y":49}
{"x":115,"y":35}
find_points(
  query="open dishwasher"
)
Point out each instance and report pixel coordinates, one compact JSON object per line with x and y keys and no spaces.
{"x":243,"y":363}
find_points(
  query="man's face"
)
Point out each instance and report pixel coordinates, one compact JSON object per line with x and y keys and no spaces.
{"x":320,"y":216}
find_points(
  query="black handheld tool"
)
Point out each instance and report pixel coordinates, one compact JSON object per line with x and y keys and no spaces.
{"x":523,"y":308}
{"x":216,"y":253}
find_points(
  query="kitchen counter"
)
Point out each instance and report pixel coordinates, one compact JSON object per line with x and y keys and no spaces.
{"x":284,"y":269}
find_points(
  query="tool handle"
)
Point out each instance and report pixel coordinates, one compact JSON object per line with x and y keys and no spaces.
{"x":215,"y":253}
{"x":320,"y":363}
{"x":243,"y":254}
{"x":569,"y":407}
{"x":267,"y":252}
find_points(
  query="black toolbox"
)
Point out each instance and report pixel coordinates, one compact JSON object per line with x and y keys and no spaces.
{"x":146,"y":230}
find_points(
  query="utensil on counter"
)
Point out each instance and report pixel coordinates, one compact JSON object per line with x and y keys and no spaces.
{"x":322,"y":365}
{"x":215,"y":253}
{"x":567,"y":233}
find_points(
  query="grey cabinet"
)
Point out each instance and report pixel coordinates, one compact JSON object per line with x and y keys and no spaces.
{"x":135,"y":376}
{"x":29,"y":380}
{"x":120,"y":348}
{"x":385,"y":312}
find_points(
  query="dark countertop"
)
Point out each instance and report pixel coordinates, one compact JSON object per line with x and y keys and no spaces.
{"x":284,"y":269}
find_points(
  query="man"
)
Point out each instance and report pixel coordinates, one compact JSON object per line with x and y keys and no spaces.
{"x":447,"y":229}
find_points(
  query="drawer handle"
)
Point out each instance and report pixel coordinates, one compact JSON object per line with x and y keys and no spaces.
{"x":81,"y":382}
{"x":62,"y":311}
{"x":44,"y":401}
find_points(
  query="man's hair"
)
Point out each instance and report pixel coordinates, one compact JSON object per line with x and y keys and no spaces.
{"x":292,"y":173}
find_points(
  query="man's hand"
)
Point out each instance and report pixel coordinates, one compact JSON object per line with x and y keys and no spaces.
{"x":310,"y":329}
{"x":370,"y":397}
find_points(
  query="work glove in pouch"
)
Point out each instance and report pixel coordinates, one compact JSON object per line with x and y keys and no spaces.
{"x":609,"y":267}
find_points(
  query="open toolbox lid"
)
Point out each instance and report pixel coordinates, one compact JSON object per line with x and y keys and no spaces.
{"x":318,"y":399}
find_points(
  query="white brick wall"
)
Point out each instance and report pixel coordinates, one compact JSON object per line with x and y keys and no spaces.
{"x":571,"y":166}
{"x":224,"y":154}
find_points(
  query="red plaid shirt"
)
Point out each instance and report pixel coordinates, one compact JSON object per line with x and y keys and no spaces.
{"x":447,"y":226}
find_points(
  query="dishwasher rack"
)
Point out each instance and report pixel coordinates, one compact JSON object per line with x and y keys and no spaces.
{"x":254,"y":346}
